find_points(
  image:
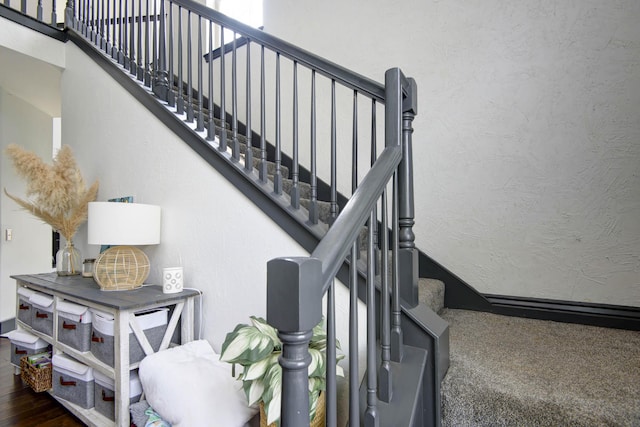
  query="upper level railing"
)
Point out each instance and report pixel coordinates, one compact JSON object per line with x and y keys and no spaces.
{"x":291,"y":121}
{"x":46,"y":11}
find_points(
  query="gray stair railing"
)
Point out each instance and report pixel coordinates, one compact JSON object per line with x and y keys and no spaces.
{"x":296,"y":286}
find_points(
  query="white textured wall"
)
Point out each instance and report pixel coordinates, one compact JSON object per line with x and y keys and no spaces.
{"x":527,"y":142}
{"x":29,"y":251}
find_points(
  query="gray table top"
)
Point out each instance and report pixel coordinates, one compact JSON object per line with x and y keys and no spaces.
{"x":88,"y":289}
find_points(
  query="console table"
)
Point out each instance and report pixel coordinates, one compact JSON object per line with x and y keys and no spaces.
{"x":123,"y":305}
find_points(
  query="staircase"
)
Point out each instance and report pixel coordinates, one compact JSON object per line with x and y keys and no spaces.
{"x":407,"y":329}
{"x":360,"y":233}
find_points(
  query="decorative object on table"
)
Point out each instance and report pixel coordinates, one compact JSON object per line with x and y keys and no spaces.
{"x":59,"y":198}
{"x":87,"y":267}
{"x":256,"y":348}
{"x":127,"y":225}
{"x":172,"y":280}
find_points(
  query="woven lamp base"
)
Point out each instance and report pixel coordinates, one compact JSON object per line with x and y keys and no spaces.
{"x":121,"y":268}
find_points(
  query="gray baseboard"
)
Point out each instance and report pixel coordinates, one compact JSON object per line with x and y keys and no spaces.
{"x":7,"y":325}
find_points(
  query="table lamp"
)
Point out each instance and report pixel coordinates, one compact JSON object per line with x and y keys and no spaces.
{"x":122,"y":267}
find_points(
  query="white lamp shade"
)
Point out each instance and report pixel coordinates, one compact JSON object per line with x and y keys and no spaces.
{"x":114,"y":223}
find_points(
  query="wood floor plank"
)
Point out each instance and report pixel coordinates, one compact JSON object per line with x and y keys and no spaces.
{"x":22,"y":407}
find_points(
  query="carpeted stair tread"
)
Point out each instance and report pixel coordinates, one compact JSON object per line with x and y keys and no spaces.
{"x":271,"y":168}
{"x":431,"y":293}
{"x":324,"y":209}
{"x":509,"y":371}
{"x":303,"y":188}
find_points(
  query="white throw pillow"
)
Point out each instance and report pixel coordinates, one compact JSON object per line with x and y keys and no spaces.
{"x":190,"y":387}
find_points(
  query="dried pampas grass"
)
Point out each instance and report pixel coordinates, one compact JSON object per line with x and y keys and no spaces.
{"x":60,"y":197}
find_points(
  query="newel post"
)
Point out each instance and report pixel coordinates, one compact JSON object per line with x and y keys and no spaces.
{"x":160,"y":79}
{"x":401,"y":106}
{"x":69,"y":20}
{"x":294,"y":307}
{"x":408,"y":254}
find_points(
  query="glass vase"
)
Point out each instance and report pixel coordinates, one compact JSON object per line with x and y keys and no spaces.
{"x":68,"y":260}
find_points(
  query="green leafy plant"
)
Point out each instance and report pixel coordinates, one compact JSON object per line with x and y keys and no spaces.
{"x":256,"y":348}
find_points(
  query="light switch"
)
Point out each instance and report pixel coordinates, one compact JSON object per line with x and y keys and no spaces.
{"x":8,"y":234}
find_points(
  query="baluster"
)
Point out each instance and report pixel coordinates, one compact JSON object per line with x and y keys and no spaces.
{"x":69,"y":15}
{"x":330,"y":374}
{"x":147,"y":65}
{"x":180,"y":100}
{"x":114,"y":28}
{"x":189,"y":93}
{"x":132,"y":40}
{"x":371,"y":412}
{"x":277,"y":179}
{"x":154,"y":49}
{"x":354,"y":378}
{"x":85,"y":18}
{"x":107,"y":45}
{"x":313,"y":203}
{"x":408,"y":255}
{"x":80,"y":11}
{"x":121,"y":40}
{"x":171,"y":94}
{"x":161,"y":82}
{"x":333,"y":209}
{"x":248,"y":155}
{"x":354,"y":144}
{"x":39,"y":10}
{"x":125,"y":37}
{"x":374,"y":156}
{"x":354,"y":155}
{"x":140,"y":70}
{"x":397,"y":338}
{"x":223,"y":104}
{"x":54,"y":15}
{"x":288,"y":280}
{"x":295,"y":187}
{"x":101,"y":41}
{"x":385,"y":389}
{"x":92,"y":26}
{"x":235,"y":147}
{"x":200,"y":119}
{"x":263,"y":143}
{"x":211,"y":127}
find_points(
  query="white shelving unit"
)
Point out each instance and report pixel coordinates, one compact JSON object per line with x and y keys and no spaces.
{"x":123,"y":305}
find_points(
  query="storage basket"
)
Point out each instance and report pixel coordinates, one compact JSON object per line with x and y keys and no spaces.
{"x":42,"y":317}
{"x":317,"y":421}
{"x":25,"y":344}
{"x":38,"y":378}
{"x":74,"y":325}
{"x":72,"y":381}
{"x":25,"y":309}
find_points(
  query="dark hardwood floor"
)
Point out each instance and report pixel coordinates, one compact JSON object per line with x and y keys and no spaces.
{"x":22,"y":407}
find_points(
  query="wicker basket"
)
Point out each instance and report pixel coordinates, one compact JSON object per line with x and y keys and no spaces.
{"x":39,"y":379}
{"x":317,"y":421}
